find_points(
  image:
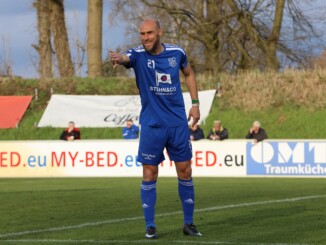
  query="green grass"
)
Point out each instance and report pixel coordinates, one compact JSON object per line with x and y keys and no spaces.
{"x":280,"y":123}
{"x":81,"y":86}
{"x":287,"y":122}
{"x":41,"y":204}
{"x":296,"y":115}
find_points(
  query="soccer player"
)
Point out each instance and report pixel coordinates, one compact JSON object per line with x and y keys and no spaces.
{"x":163,"y":118}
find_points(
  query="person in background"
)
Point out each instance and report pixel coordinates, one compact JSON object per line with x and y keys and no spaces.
{"x":196,"y":133}
{"x":71,"y":133}
{"x":130,"y":131}
{"x":256,"y":132}
{"x":218,"y":132}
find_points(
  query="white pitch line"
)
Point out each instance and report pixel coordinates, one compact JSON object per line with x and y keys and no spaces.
{"x":294,"y":199}
{"x":237,"y":243}
{"x":78,"y":241}
{"x":74,"y":227}
{"x":139,"y":241}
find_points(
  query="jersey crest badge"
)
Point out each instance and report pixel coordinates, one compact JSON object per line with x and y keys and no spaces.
{"x":172,"y":61}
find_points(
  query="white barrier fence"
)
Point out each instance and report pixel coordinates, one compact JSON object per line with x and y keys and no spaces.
{"x":115,"y":158}
{"x":107,"y":110}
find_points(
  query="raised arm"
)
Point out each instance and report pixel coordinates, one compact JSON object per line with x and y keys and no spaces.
{"x":194,"y":112}
{"x":118,"y":59}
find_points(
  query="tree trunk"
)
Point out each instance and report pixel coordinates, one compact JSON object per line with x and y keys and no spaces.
{"x":248,"y":32}
{"x":211,"y":52}
{"x":43,"y":48}
{"x":60,"y":38}
{"x":94,"y":38}
{"x":272,"y":61}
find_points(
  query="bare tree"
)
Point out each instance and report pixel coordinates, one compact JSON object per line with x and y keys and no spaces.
{"x":227,"y":34}
{"x":5,"y":61}
{"x":94,"y":38}
{"x":60,"y":39}
{"x":274,"y":37}
{"x":45,"y":67}
{"x":80,"y":46}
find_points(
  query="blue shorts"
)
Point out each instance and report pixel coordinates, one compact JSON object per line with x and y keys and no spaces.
{"x":153,"y":140}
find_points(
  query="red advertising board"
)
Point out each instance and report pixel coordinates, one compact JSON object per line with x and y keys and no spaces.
{"x":12,"y":109}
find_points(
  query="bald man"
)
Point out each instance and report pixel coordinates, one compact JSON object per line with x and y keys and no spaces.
{"x":164,"y":123}
{"x":256,"y":132}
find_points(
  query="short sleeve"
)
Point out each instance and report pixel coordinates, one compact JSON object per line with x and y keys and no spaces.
{"x":183,"y":60}
{"x":132,"y":57}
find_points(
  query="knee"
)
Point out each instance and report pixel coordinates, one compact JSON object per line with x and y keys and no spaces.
{"x":150,"y":174}
{"x":185,"y":173}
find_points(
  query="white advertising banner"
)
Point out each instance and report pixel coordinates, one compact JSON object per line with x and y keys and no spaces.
{"x":112,"y":158}
{"x":118,"y":158}
{"x":106,"y":111}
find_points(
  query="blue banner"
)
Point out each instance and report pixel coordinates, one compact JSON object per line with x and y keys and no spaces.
{"x":287,"y":158}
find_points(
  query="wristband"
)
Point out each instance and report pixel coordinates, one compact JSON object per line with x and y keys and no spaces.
{"x":195,"y":101}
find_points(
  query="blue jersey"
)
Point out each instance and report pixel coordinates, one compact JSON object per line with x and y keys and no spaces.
{"x":157,"y":78}
{"x":130,"y":133}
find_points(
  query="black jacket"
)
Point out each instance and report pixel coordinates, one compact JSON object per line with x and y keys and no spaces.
{"x":223,"y":134}
{"x":75,"y":132}
{"x":261,"y":135}
{"x":198,"y":134}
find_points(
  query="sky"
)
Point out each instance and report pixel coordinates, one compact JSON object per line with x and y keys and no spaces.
{"x":18,"y":31}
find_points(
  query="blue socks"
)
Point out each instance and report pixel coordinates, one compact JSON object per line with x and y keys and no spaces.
{"x":148,"y":199}
{"x":187,"y":197}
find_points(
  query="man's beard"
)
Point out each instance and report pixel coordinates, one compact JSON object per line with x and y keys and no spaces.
{"x":154,"y":47}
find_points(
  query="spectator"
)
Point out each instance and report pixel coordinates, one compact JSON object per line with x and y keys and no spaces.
{"x":71,"y":133}
{"x":256,"y":132}
{"x":130,"y":131}
{"x":218,"y":132}
{"x":196,"y":133}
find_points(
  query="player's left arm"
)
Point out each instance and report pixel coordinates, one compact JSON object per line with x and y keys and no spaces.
{"x":190,"y":76}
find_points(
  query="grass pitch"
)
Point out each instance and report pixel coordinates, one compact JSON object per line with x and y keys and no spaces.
{"x":268,"y":211}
